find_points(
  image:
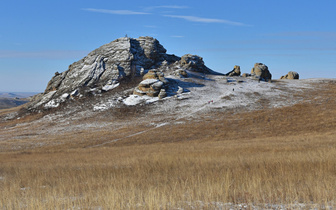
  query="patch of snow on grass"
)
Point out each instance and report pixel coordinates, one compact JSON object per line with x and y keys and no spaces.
{"x":133,"y":100}
{"x":209,"y":92}
{"x":106,"y":105}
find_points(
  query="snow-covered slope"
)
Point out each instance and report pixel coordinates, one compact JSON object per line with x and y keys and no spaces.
{"x":202,"y":93}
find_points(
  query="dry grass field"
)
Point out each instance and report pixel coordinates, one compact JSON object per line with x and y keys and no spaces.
{"x":283,"y":158}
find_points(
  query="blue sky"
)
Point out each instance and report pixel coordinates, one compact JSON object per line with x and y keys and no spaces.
{"x":38,"y":38}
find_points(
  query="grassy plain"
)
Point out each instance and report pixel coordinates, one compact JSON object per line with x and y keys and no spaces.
{"x":284,"y":156}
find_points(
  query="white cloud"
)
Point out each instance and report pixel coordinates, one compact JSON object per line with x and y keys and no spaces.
{"x":115,"y":12}
{"x":206,"y":20}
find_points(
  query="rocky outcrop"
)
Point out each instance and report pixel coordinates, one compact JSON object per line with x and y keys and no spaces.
{"x":261,"y":71}
{"x":152,"y":85}
{"x":194,"y":63}
{"x":234,"y":72}
{"x":291,"y":75}
{"x":107,"y":67}
{"x":121,"y":58}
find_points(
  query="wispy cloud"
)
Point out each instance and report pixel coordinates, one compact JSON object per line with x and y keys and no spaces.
{"x":49,"y":54}
{"x":165,"y":7}
{"x":115,"y":12}
{"x":206,"y":20}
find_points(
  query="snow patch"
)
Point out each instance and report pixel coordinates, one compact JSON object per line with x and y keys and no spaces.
{"x":133,"y":100}
{"x":110,"y":87}
{"x":52,"y":104}
{"x":162,"y":124}
{"x":65,"y":96}
{"x":148,"y":82}
{"x":74,"y":93}
{"x":106,"y":105}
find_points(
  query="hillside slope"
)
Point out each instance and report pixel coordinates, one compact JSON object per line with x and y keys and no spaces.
{"x":250,"y":156}
{"x":212,"y":100}
{"x":212,"y":142}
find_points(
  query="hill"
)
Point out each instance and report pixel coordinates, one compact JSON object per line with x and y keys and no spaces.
{"x":9,"y":100}
{"x":6,"y":103}
{"x":16,"y":94}
{"x":213,"y":142}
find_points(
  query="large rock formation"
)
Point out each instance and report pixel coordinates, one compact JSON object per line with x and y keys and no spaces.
{"x":261,"y":70}
{"x":106,"y":67}
{"x":114,"y":61}
{"x":291,"y":75}
{"x":234,"y":72}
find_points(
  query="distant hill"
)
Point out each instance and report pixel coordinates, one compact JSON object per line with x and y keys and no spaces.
{"x":9,"y":100}
{"x":16,"y":94}
{"x":6,"y":103}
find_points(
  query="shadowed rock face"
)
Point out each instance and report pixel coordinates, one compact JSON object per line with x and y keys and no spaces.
{"x":234,"y":72}
{"x":107,"y":66}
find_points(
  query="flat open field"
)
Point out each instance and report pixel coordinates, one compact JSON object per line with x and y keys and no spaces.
{"x":273,"y":158}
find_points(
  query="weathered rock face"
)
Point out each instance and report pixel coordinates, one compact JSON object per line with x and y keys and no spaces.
{"x":234,"y":72}
{"x":113,"y":61}
{"x":261,"y":70}
{"x":152,"y":84}
{"x":104,"y":68}
{"x":194,"y":62}
{"x":291,"y":75}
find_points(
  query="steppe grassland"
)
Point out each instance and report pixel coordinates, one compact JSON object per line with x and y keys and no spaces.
{"x":281,"y":156}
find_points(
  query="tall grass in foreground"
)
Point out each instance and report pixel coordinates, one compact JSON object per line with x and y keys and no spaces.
{"x":277,"y":170}
{"x":265,"y":158}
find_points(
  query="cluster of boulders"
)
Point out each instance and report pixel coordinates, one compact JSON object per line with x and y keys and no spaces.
{"x":291,"y":75}
{"x":259,"y":71}
{"x":152,"y":85}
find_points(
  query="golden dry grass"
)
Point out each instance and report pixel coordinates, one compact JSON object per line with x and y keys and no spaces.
{"x":273,"y":156}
